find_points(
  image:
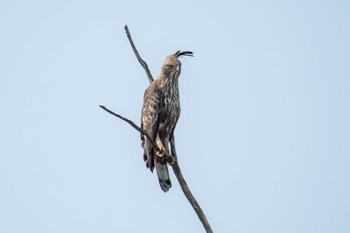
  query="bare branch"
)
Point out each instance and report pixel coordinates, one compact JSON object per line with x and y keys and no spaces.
{"x":132,"y":124}
{"x":186,"y":190}
{"x":172,"y":146}
{"x":142,"y":62}
{"x":168,"y":157}
{"x":174,"y":164}
{"x":172,"y":159}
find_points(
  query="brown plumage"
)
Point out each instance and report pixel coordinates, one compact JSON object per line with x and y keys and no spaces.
{"x":160,"y":113}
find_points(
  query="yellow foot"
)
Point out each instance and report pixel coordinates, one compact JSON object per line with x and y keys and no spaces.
{"x":161,"y":154}
{"x":161,"y":147}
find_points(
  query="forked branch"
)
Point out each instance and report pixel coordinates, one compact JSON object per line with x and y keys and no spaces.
{"x":172,"y":159}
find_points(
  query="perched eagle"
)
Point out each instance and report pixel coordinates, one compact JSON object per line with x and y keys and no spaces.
{"x":160,"y":113}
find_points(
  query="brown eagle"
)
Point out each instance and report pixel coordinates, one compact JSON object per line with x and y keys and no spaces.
{"x":160,"y":113}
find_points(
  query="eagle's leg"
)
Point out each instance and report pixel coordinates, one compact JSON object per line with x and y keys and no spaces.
{"x":164,"y":149}
{"x":160,"y":154}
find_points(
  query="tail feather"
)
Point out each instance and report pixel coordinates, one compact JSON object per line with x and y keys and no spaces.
{"x":163,"y":176}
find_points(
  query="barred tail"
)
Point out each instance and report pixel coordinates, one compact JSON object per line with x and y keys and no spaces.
{"x":163,"y":176}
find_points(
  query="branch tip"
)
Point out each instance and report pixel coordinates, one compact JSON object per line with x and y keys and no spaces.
{"x":141,"y":61}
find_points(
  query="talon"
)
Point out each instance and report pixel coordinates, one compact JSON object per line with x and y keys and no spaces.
{"x":171,"y":160}
{"x":160,"y":146}
{"x":160,"y":153}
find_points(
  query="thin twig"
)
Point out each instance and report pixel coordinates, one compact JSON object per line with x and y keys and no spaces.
{"x":142,"y":62}
{"x":161,"y":152}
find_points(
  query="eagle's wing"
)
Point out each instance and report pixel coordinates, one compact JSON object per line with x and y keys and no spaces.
{"x":150,"y":120}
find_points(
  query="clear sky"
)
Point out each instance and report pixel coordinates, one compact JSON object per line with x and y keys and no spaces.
{"x":263,"y":139}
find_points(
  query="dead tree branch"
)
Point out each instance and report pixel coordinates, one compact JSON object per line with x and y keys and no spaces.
{"x":172,"y":159}
{"x":185,"y":188}
{"x":142,"y":62}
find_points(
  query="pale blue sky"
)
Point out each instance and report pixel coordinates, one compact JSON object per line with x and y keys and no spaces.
{"x":263,"y":139}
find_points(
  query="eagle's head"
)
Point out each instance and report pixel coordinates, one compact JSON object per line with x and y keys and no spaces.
{"x":172,"y":66}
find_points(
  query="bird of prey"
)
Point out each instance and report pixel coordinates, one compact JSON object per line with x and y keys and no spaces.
{"x":160,"y":113}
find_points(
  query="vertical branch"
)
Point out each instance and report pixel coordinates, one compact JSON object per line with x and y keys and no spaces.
{"x":142,"y":62}
{"x":172,"y":146}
